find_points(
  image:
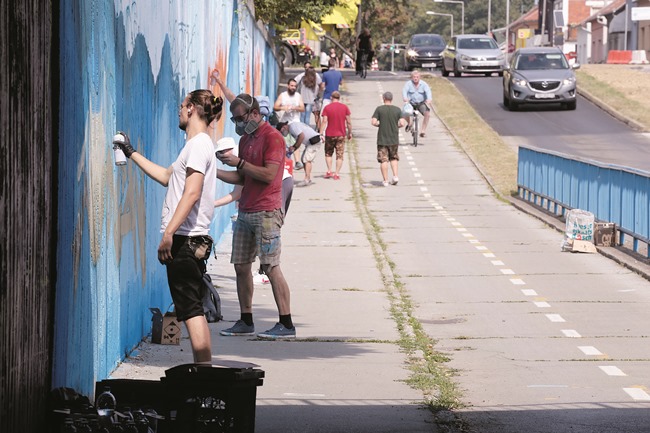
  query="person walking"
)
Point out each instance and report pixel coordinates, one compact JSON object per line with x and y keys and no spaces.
{"x":303,"y":134}
{"x":332,"y":80}
{"x":418,"y":93}
{"x":335,"y":118}
{"x":388,"y":118}
{"x":309,"y":85}
{"x":187,"y":213}
{"x":257,"y":230}
{"x":364,"y":44}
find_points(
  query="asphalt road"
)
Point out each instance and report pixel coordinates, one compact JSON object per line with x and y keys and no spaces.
{"x":588,"y":132}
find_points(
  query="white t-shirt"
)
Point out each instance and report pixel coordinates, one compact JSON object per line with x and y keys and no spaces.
{"x":198,"y":154}
{"x":290,"y":116}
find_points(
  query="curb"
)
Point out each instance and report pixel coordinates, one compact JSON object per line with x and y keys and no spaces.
{"x":612,"y":112}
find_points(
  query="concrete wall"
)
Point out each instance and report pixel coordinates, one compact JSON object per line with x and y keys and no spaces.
{"x":127,"y":65}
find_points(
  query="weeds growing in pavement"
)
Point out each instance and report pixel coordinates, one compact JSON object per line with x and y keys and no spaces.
{"x":429,"y":372}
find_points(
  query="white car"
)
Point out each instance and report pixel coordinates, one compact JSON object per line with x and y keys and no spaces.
{"x":472,"y":54}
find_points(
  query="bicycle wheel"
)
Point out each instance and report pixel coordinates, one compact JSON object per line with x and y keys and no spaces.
{"x":414,"y":130}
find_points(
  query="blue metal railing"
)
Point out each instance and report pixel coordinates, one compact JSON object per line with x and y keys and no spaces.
{"x":612,"y":193}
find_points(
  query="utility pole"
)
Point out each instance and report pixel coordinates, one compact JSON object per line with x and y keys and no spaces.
{"x":392,"y":55}
{"x":489,"y":16}
{"x":543,"y":21}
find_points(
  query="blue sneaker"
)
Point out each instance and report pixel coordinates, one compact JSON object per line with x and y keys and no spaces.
{"x":239,"y":328}
{"x":278,"y":332}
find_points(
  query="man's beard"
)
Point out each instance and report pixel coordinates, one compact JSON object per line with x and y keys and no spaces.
{"x":291,"y":92}
{"x":182,"y":125}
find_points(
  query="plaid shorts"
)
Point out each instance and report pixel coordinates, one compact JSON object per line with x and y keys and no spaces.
{"x":335,"y":143}
{"x":257,"y":234}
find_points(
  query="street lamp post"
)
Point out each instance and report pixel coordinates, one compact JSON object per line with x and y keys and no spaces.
{"x":462,"y":12}
{"x":446,"y":15}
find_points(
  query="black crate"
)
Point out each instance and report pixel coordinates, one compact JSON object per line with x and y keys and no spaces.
{"x":195,"y":398}
{"x":218,"y":398}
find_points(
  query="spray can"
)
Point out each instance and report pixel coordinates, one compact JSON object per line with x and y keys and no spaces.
{"x":120,"y":157}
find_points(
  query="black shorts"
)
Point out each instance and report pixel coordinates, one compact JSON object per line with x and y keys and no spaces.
{"x":185,"y":278}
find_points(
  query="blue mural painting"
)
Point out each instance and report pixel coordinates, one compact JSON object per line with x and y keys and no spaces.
{"x":127,"y":65}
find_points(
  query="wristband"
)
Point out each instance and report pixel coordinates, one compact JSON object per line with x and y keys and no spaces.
{"x":240,"y":164}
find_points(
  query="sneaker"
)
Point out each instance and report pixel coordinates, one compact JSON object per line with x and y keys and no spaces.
{"x":335,"y":176}
{"x":239,"y":328}
{"x":385,"y":183}
{"x":260,"y":279}
{"x":305,"y":183}
{"x":298,"y":166}
{"x":328,"y":175}
{"x":278,"y":332}
{"x":394,"y":181}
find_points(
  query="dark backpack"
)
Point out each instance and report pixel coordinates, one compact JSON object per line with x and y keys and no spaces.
{"x":211,"y":301}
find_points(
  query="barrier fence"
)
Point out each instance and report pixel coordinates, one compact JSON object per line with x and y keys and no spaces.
{"x":617,"y":194}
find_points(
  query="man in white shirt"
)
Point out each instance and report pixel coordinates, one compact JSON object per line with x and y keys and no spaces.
{"x":290,"y":102}
{"x":187,"y":213}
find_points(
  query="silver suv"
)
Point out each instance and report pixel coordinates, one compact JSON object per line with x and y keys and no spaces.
{"x":539,"y":75}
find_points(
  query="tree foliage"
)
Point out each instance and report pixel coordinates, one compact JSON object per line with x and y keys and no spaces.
{"x":402,"y":18}
{"x":288,"y":14}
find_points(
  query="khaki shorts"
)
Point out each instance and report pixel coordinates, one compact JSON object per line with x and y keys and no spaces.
{"x":387,"y":153}
{"x":335,"y":143}
{"x":310,"y":152}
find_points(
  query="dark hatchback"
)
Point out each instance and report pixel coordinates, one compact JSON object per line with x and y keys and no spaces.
{"x":423,"y":51}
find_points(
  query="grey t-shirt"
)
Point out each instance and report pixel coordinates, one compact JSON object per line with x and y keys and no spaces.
{"x":296,"y":128}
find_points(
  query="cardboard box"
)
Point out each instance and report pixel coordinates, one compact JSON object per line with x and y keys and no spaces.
{"x":605,"y":234}
{"x":165,"y":328}
{"x":583,"y":247}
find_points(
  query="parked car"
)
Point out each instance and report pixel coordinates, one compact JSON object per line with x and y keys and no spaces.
{"x":539,"y":75}
{"x":423,"y":51}
{"x":472,"y":54}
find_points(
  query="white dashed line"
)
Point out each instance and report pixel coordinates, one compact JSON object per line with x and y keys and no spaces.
{"x":411,"y":163}
{"x":571,"y":333}
{"x":481,"y":247}
{"x":637,"y":394}
{"x":590,"y":350}
{"x":529,"y":292}
{"x":427,"y":195}
{"x":489,"y":255}
{"x":498,"y":263}
{"x":420,"y":182}
{"x":468,"y":235}
{"x":456,"y":223}
{"x":517,"y":281}
{"x":610,"y":370}
{"x":461,"y":229}
{"x":474,"y":241}
{"x":555,"y":318}
{"x":542,"y":304}
{"x":417,"y":175}
{"x":506,"y":271}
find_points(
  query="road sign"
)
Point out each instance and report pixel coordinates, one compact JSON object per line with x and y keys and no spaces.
{"x":640,"y":14}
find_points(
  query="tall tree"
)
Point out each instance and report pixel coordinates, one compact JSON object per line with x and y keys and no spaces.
{"x":288,"y":14}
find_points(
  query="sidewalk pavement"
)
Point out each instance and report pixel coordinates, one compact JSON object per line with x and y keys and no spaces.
{"x":345,"y":371}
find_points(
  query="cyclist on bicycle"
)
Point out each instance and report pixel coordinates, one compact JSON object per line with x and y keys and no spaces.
{"x":418,"y":94}
{"x":364,"y":44}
